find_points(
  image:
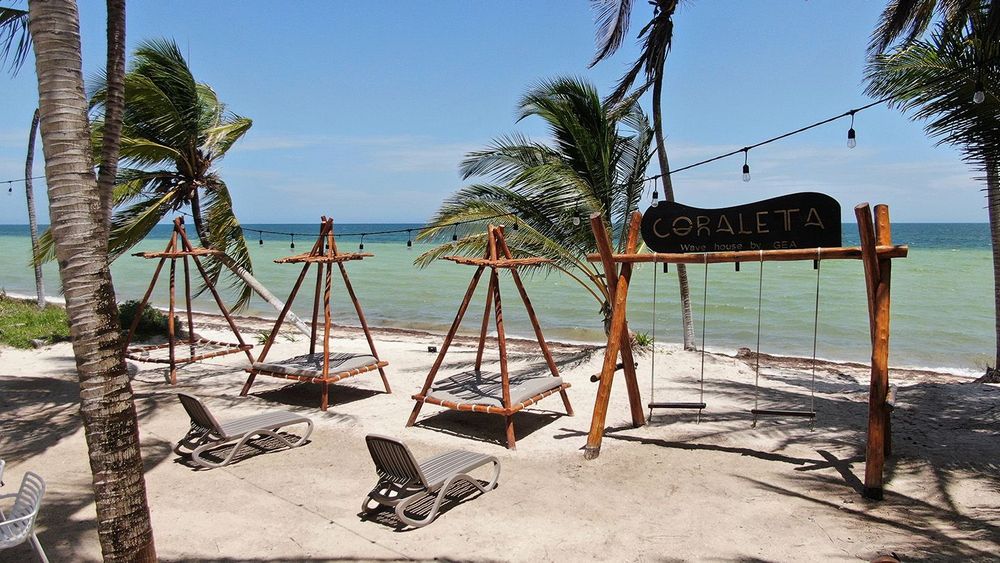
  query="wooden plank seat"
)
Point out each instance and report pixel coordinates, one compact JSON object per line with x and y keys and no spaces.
{"x":309,"y":367}
{"x":483,"y":392}
{"x":200,"y":349}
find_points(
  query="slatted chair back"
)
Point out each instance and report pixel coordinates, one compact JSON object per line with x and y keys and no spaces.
{"x":199,"y":414}
{"x":393,"y":461}
{"x":19,"y":522}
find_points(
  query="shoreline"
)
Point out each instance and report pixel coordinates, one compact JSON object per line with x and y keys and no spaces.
{"x":830,"y":365}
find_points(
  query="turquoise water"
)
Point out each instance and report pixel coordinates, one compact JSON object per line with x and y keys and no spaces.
{"x":942,"y":295}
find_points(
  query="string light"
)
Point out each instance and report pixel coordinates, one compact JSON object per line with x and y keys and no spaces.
{"x":293,"y":242}
{"x":656,"y":195}
{"x":746,"y":165}
{"x":852,"y":138}
{"x":260,"y":239}
{"x":409,"y":240}
{"x":516,"y":223}
{"x":454,"y":234}
{"x":362,"y":245}
{"x":980,"y":96}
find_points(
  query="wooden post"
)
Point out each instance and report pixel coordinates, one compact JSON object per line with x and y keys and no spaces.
{"x":170,"y":321}
{"x":883,"y":236}
{"x":315,"y":313}
{"x":486,"y":322}
{"x":878,"y":312}
{"x":618,"y":326}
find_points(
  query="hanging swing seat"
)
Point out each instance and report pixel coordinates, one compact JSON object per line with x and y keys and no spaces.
{"x":502,"y":393}
{"x":483,"y":392}
{"x":782,"y":412}
{"x":320,"y":365}
{"x":179,"y":351}
{"x":309,"y":367}
{"x":198,"y":349}
{"x":659,"y":405}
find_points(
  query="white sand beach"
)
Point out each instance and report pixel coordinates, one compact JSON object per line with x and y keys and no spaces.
{"x":675,"y":489}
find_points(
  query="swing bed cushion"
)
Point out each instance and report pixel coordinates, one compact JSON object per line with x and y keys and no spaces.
{"x":486,"y":390}
{"x":308,"y":367}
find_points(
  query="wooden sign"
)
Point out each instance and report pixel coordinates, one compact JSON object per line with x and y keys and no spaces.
{"x":800,"y":220}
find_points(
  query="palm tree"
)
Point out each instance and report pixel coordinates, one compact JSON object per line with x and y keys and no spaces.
{"x":29,"y":194}
{"x":936,"y":78}
{"x":174,"y":133}
{"x":613,"y":22}
{"x":596,"y":164}
{"x":76,"y":214}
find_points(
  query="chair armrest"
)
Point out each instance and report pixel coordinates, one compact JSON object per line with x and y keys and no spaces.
{"x":25,"y":517}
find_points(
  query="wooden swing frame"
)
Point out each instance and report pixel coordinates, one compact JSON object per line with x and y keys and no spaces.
{"x":179,"y":248}
{"x":324,"y":254}
{"x":498,"y":256}
{"x":875,"y":252}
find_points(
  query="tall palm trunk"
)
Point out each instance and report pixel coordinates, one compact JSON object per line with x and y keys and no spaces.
{"x":241,"y":272}
{"x":29,"y":194}
{"x":993,"y":203}
{"x":668,"y":195}
{"x":114,"y":106}
{"x":107,"y":407}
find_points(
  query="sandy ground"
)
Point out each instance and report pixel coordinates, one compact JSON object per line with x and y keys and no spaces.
{"x":675,"y":489}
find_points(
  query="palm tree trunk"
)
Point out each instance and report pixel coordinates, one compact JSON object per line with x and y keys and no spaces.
{"x":29,"y":194}
{"x":114,"y":105}
{"x":241,"y":272}
{"x":993,"y":203}
{"x":668,"y":195}
{"x":107,"y":407}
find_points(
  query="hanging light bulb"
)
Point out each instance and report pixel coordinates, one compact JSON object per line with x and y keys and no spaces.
{"x":746,"y":166}
{"x":10,"y":190}
{"x":576,"y":220}
{"x":516,"y":222}
{"x":454,"y":234}
{"x":292,"y":246}
{"x":980,"y":96}
{"x":656,"y":195}
{"x":409,"y":241}
{"x":362,"y":245}
{"x":260,"y":238}
{"x":852,"y":138}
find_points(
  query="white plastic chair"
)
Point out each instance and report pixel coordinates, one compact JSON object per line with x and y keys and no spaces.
{"x":18,"y":524}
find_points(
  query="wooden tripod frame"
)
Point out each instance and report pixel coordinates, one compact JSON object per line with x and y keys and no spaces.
{"x":179,"y":248}
{"x":876,"y":253}
{"x":324,"y":254}
{"x":498,"y":256}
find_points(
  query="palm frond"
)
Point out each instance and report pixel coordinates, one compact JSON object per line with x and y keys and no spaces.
{"x":15,"y":40}
{"x":612,"y":17}
{"x":226,"y":234}
{"x":131,"y":225}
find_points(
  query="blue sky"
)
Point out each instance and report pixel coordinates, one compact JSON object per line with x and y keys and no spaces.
{"x":363,"y":110}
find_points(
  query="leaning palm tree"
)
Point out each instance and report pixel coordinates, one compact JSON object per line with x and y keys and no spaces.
{"x":657,"y":36}
{"x":938,"y":79}
{"x":174,"y":133}
{"x":595,"y":165}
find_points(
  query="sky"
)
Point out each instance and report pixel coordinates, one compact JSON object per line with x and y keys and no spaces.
{"x":364,"y":110}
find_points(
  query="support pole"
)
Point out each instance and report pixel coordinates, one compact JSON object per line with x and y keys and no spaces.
{"x":877,"y":284}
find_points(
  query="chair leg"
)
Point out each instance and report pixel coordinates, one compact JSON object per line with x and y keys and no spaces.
{"x":414,"y":413}
{"x":509,"y":424}
{"x":325,"y":401}
{"x":565,"y":398}
{"x":38,"y":548}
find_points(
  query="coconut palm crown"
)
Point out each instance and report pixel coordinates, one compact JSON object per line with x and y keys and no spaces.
{"x":595,"y":164}
{"x":936,"y":79}
{"x":174,"y":132}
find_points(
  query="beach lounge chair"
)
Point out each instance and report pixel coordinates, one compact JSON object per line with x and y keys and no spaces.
{"x":207,"y":433}
{"x":18,"y":524}
{"x":403,"y":481}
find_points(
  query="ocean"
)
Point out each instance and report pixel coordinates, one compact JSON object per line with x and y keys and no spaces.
{"x":942,"y":294}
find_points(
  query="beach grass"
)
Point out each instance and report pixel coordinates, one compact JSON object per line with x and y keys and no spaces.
{"x":22,"y":321}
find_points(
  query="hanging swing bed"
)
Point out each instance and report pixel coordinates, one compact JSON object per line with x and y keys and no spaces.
{"x":326,"y":367}
{"x":192,"y":348}
{"x":500,"y":393}
{"x":876,"y":252}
